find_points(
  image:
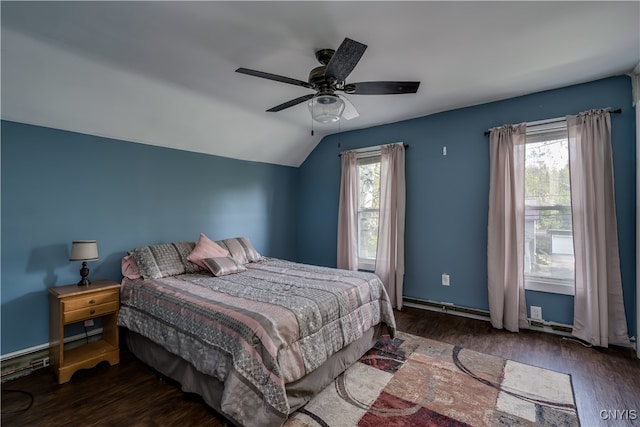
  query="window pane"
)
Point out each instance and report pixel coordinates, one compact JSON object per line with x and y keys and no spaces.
{"x":368,"y":234}
{"x":368,"y":205}
{"x":369,"y":184}
{"x":548,"y":227}
{"x":548,"y":244}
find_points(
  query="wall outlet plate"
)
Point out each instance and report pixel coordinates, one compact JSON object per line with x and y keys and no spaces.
{"x":445,"y":279}
{"x":536,"y":312}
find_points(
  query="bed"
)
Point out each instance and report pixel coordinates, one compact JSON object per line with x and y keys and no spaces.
{"x":256,"y":337}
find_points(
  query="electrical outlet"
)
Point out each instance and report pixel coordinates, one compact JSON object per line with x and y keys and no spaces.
{"x":536,"y":312}
{"x":88,"y":323}
{"x":445,"y":279}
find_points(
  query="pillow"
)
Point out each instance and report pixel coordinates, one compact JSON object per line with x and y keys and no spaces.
{"x":130,"y":269}
{"x":241,"y":249}
{"x":163,"y":260}
{"x":206,"y":248}
{"x":221,"y":266}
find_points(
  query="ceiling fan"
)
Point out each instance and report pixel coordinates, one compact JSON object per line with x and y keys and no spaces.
{"x":325,"y":105}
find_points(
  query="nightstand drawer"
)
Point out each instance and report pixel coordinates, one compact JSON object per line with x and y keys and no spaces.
{"x":91,"y":300}
{"x":88,"y":312}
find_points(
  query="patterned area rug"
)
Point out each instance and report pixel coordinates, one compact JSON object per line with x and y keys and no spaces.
{"x":414,"y":381}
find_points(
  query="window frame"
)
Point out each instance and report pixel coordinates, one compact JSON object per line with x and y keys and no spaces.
{"x":546,"y":130}
{"x":364,"y":157}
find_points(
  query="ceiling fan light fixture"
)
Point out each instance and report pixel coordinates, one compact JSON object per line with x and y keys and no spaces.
{"x":326,"y":108}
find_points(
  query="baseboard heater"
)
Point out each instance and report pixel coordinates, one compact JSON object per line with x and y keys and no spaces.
{"x":538,"y":325}
{"x":558,"y":327}
{"x":474,"y":313}
{"x":447,"y":307}
{"x":24,"y":362}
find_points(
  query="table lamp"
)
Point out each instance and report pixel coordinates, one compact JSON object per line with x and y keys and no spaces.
{"x":84,"y":250}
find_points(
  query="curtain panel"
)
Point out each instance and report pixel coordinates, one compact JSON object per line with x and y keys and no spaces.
{"x":348,"y":213}
{"x":391,"y":224}
{"x":505,"y":245}
{"x":599,"y":315}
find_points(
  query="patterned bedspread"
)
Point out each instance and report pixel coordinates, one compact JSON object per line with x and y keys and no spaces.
{"x":257,"y":330}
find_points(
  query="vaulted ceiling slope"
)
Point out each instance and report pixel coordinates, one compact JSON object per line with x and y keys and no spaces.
{"x":163,"y":73}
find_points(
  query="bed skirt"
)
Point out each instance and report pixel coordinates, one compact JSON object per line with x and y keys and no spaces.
{"x":210,"y":389}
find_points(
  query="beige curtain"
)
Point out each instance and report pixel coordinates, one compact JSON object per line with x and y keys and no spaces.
{"x":390,"y":250}
{"x":599,"y":316}
{"x":348,"y":213}
{"x":505,"y":258}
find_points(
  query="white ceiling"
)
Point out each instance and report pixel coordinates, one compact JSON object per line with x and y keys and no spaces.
{"x":163,"y":73}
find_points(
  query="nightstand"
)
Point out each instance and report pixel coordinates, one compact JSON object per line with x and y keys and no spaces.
{"x":72,"y":304}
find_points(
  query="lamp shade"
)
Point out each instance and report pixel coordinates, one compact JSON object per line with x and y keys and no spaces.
{"x":84,"y":250}
{"x":326,"y":108}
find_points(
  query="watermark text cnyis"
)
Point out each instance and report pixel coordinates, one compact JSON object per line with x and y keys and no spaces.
{"x":619,"y":414}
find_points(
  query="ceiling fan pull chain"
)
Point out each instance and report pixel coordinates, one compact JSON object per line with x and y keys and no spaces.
{"x":311,"y":123}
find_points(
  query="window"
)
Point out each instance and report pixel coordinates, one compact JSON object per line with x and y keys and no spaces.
{"x":368,"y":208}
{"x":548,"y":253}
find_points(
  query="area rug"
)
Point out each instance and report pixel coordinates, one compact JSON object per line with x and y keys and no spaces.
{"x":414,"y":381}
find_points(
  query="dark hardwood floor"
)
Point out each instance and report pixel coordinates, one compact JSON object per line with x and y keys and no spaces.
{"x":131,"y":394}
{"x":603,"y":379}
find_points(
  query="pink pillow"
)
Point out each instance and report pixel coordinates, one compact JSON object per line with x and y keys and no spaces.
{"x":206,"y":248}
{"x":130,"y":269}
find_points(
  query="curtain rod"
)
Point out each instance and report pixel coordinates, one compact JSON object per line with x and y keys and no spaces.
{"x":373,"y":148}
{"x":618,"y":111}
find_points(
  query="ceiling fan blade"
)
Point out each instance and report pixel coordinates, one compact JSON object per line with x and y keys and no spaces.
{"x":275,"y":77}
{"x":350,"y":111}
{"x":344,"y":60}
{"x":290,"y":103}
{"x":381,"y":88}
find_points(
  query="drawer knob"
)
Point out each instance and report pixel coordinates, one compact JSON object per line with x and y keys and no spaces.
{"x":92,"y":301}
{"x":92,"y":311}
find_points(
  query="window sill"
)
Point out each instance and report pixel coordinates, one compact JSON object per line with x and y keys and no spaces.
{"x":368,"y":265}
{"x":550,"y":286}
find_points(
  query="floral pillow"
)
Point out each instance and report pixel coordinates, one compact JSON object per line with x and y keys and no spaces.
{"x":221,"y":266}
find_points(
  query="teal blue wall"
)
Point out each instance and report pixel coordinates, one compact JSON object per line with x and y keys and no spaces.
{"x":447,"y":196}
{"x":60,"y":186}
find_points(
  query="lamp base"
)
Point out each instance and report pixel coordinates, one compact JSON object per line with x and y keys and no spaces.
{"x":84,"y":274}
